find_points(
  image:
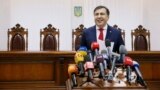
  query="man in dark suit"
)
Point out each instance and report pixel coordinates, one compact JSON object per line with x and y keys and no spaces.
{"x":101,"y":31}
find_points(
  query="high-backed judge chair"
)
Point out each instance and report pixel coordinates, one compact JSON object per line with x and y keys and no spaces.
{"x":49,"y":39}
{"x":140,"y":39}
{"x":122,"y":31}
{"x":76,"y":36}
{"x":17,"y":38}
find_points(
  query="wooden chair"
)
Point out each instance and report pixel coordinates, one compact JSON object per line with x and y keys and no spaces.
{"x":140,"y":39}
{"x":76,"y":36}
{"x":17,"y":38}
{"x":122,"y":31}
{"x":49,"y":39}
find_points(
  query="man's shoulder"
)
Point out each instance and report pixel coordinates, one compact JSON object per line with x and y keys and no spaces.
{"x":111,"y":28}
{"x":90,"y":28}
{"x":114,"y":30}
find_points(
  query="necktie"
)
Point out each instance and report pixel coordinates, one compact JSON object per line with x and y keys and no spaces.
{"x":101,"y":34}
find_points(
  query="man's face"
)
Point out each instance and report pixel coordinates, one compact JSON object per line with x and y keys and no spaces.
{"x":101,"y":17}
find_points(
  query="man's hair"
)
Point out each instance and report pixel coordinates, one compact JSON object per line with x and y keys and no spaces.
{"x":99,"y":7}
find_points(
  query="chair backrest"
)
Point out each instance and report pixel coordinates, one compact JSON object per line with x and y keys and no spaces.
{"x":76,"y":37}
{"x":17,"y":38}
{"x":140,"y":39}
{"x":122,"y":31}
{"x":49,"y":39}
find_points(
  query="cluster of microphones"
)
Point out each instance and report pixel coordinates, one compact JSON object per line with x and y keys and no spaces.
{"x":105,"y":62}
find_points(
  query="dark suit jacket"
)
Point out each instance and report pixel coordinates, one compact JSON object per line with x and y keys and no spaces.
{"x":114,"y":35}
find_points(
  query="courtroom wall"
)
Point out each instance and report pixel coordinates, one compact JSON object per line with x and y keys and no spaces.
{"x":37,"y":14}
{"x":151,"y":21}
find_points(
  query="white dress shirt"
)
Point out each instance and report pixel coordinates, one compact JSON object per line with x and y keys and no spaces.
{"x":101,"y":42}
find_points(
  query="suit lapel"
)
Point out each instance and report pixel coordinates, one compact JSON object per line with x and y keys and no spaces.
{"x":91,"y":35}
{"x":94,"y":34}
{"x":109,"y":32}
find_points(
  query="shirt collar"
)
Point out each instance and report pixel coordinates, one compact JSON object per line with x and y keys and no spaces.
{"x":105,"y":27}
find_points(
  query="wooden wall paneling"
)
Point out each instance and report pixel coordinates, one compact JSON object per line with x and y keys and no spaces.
{"x":26,"y":71}
{"x":146,"y":69}
{"x":156,"y":70}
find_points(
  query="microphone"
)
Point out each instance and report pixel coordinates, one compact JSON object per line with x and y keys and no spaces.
{"x":106,"y":62}
{"x":108,"y":46}
{"x":89,"y":66}
{"x":90,"y":55}
{"x":113,"y":54}
{"x":79,"y":60}
{"x":72,"y":71}
{"x":128,"y":63}
{"x":100,"y":60}
{"x":123,"y":52}
{"x":112,"y":71}
{"x":110,"y":53}
{"x":95,"y":47}
{"x":116,"y":55}
{"x":82,"y":50}
{"x":138,"y":73}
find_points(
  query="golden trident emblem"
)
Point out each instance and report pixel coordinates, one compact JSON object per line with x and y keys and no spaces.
{"x":78,"y":11}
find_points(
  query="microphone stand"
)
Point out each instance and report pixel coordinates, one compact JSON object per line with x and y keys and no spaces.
{"x":89,"y":80}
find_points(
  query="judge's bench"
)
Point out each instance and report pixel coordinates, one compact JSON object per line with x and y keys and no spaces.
{"x":44,"y":70}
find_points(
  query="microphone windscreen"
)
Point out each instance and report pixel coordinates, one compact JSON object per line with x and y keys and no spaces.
{"x":99,"y":58}
{"x":72,"y":68}
{"x":84,"y":53}
{"x":107,"y":43}
{"x":88,"y":65}
{"x":83,"y":48}
{"x":104,"y":53}
{"x":78,"y":57}
{"x":128,"y":61}
{"x":122,"y":49}
{"x":94,"y":46}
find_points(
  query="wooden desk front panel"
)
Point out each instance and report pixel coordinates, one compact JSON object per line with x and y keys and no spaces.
{"x":35,"y":66}
{"x":27,"y":71}
{"x":149,"y":63}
